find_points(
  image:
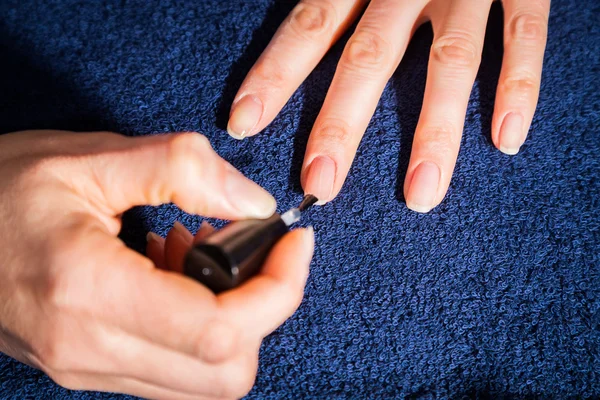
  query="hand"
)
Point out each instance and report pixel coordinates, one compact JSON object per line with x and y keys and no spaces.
{"x":93,"y":314}
{"x":368,"y":61}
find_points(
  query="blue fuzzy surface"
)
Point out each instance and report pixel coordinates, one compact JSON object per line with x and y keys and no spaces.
{"x":495,"y":293}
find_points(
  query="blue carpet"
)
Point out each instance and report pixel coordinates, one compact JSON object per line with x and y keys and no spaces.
{"x":496,"y":293}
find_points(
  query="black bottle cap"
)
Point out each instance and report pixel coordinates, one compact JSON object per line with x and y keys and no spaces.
{"x":232,"y":255}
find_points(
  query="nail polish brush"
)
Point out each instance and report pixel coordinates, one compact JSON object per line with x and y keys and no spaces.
{"x":232,"y":255}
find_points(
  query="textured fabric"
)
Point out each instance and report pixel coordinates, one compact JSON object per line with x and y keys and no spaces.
{"x":495,"y":293}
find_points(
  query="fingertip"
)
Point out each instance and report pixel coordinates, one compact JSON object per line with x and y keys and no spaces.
{"x":309,"y":238}
{"x":233,"y":134}
{"x":319,"y":178}
{"x":247,"y":197}
{"x":155,"y":250}
{"x":182,"y":230}
{"x":320,"y":202}
{"x":204,"y":230}
{"x":422,"y":187}
{"x":178,"y":241}
{"x":510,"y":137}
{"x":300,"y":238}
{"x":418,"y":208}
{"x":152,"y":237}
{"x":245,"y":116}
{"x":509,"y":151}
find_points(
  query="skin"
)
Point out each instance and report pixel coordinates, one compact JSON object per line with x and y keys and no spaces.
{"x":368,"y":61}
{"x":76,"y":303}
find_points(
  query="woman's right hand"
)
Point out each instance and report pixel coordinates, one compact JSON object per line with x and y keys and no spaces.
{"x":93,"y":314}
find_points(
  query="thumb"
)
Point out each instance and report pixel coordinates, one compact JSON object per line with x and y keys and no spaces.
{"x":178,"y":168}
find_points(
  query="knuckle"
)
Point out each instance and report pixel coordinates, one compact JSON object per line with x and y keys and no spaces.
{"x":528,"y":26}
{"x":270,"y":72}
{"x":367,"y":52}
{"x":186,"y":154}
{"x":41,"y":168}
{"x":218,"y":342}
{"x":439,"y":138}
{"x":242,"y":376}
{"x":188,"y":158}
{"x":53,"y":353}
{"x":186,"y":146}
{"x":37,"y":175}
{"x":333,"y":132}
{"x":519,"y":84}
{"x":311,"y":20}
{"x":455,"y":50}
{"x":66,"y":283}
{"x":59,"y":285}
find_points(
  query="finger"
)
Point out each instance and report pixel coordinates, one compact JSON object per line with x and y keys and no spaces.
{"x":163,"y":307}
{"x":263,"y":303}
{"x":459,"y":30}
{"x":179,"y":168}
{"x":118,"y":356}
{"x":231,"y":378}
{"x":205,"y":230}
{"x":295,"y":50}
{"x":525,"y":34}
{"x":367,"y":63}
{"x":155,"y":250}
{"x":118,"y":384}
{"x":178,"y":242}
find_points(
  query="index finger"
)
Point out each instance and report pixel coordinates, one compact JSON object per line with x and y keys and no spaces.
{"x":295,"y":50}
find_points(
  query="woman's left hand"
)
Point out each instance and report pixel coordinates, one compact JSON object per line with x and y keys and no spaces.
{"x":368,"y":61}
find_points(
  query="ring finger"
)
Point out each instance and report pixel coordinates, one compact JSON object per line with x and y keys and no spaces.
{"x":459,"y":31}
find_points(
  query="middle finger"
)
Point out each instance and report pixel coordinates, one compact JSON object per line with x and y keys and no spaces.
{"x":368,"y":61}
{"x":459,"y":30}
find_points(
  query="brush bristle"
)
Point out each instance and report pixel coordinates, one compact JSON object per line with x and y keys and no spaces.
{"x":307,"y":202}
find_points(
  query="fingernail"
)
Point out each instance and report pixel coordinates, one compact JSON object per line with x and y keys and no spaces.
{"x":245,"y":116}
{"x":511,"y":134}
{"x":246,"y":196}
{"x":152,"y":237}
{"x":320,"y":178}
{"x":178,"y":226}
{"x":204,"y":225}
{"x":423,"y":187}
{"x":205,"y":228}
